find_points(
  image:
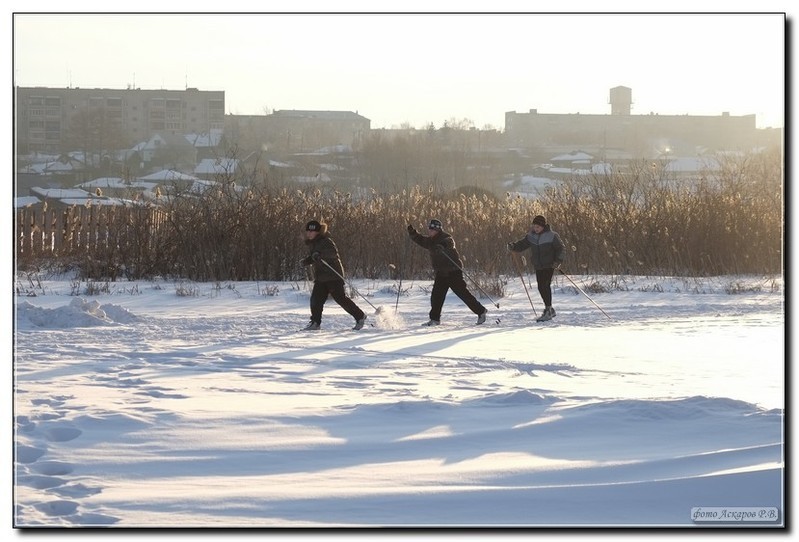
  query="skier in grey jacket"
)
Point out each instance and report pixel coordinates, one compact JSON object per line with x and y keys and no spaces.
{"x":546,"y":255}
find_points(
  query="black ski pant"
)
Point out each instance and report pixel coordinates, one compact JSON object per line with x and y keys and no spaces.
{"x":544,"y":279}
{"x":335,"y":289}
{"x":453,"y":281}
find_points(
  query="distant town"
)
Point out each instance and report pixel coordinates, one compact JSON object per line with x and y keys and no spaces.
{"x":117,"y":146}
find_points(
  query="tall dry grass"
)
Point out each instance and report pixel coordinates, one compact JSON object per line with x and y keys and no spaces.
{"x":640,"y":221}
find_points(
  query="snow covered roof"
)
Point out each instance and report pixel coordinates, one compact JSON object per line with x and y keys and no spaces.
{"x":60,"y":193}
{"x":275,"y":163}
{"x":159,"y":140}
{"x":216,"y":166}
{"x":104,"y":182}
{"x":48,"y":168}
{"x":168,"y":175}
{"x":572,"y":156}
{"x":25,"y":201}
{"x":93,"y":201}
{"x":693,"y":165}
{"x":320,"y":178}
{"x":117,"y":183}
{"x":210,"y":139}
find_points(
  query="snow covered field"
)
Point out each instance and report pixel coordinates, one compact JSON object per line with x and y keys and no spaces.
{"x":140,"y":407}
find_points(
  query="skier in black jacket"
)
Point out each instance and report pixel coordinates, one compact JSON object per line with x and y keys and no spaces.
{"x":328,"y":273}
{"x":448,"y":270}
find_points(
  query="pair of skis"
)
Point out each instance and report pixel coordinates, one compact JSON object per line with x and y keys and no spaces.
{"x":515,"y":257}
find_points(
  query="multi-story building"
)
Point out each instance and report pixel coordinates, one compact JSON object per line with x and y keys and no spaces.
{"x":53,"y":120}
{"x":649,"y":135}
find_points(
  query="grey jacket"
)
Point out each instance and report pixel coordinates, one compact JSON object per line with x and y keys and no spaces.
{"x":546,"y":248}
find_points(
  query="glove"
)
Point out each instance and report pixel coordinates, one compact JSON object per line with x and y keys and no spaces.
{"x":438,"y":248}
{"x":316,"y":256}
{"x":411,"y":229}
{"x":509,"y":247}
{"x":556,"y":265}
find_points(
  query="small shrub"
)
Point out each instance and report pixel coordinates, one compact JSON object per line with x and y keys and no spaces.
{"x":182,"y":290}
{"x":740,"y":288}
{"x":269,"y":290}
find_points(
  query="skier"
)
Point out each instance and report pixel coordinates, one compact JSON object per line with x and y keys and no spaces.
{"x":326,"y":263}
{"x":448,"y":271}
{"x":547,"y":255}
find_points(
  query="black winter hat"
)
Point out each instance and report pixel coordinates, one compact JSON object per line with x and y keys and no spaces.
{"x":540,"y":220}
{"x":435,"y":224}
{"x":313,"y":225}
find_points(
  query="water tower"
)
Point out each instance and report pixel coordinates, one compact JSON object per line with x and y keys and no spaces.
{"x":621,"y":99}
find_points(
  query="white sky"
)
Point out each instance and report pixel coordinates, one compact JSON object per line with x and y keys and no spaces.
{"x":422,"y":68}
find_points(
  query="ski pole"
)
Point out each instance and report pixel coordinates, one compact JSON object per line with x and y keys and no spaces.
{"x":470,"y":278}
{"x":399,"y":290}
{"x":402,"y":270}
{"x":350,"y":284}
{"x":515,"y":257}
{"x":585,"y":294}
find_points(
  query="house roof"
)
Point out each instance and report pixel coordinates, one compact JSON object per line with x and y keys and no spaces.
{"x":693,"y":164}
{"x":93,"y":201}
{"x":24,"y":201}
{"x":216,"y":166}
{"x":572,"y":156}
{"x":328,"y":115}
{"x":104,"y":182}
{"x":210,"y":139}
{"x":116,"y":182}
{"x":167,"y":139}
{"x":60,"y":193}
{"x":168,"y":175}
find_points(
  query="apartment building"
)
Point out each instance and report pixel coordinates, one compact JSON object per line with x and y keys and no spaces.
{"x":52,"y":120}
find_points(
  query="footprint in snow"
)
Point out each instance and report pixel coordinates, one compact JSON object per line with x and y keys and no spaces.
{"x":28,"y":454}
{"x":57,"y":508}
{"x":52,"y":468}
{"x":62,"y":434}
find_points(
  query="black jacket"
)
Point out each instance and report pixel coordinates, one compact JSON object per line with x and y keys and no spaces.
{"x":443,"y":255}
{"x":324,"y":245}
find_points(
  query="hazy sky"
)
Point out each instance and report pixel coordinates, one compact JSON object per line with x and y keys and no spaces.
{"x":421,"y":68}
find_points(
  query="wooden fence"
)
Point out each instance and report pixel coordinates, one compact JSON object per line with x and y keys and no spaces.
{"x":42,"y":231}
